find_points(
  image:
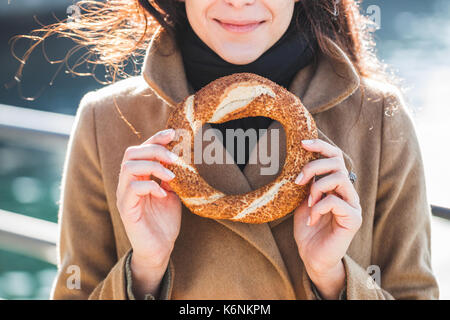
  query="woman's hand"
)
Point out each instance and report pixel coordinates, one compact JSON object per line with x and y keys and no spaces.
{"x":151,"y":213}
{"x":324,"y":228}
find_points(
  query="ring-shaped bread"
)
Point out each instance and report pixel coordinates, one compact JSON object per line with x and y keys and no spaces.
{"x":232,"y":97}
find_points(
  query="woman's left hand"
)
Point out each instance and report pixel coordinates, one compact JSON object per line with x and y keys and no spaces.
{"x":324,"y":229}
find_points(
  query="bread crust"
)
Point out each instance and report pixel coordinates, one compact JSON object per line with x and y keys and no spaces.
{"x":232,"y":97}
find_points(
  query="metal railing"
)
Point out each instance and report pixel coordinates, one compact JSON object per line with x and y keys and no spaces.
{"x":49,"y":131}
{"x":30,"y":128}
{"x":30,"y":236}
{"x":440,"y":212}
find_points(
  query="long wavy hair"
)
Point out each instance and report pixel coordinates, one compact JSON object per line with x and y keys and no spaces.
{"x":117,"y":33}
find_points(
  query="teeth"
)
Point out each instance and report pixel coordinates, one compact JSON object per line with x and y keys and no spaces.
{"x":233,"y":99}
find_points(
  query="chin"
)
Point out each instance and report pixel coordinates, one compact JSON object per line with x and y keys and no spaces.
{"x":240,"y":55}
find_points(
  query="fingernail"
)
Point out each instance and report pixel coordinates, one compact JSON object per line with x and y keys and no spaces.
{"x":299,"y":178}
{"x":308,"y":221}
{"x":173,"y":156}
{"x":309,"y":201}
{"x":169,"y":173}
{"x":166,"y":132}
{"x":308,"y":141}
{"x":164,"y":193}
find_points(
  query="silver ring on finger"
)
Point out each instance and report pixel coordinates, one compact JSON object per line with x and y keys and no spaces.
{"x":352,"y":176}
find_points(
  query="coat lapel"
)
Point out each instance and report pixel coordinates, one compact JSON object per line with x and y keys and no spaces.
{"x":320,"y":87}
{"x":238,"y":182}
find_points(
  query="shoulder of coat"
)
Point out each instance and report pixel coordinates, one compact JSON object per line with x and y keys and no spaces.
{"x":392,"y":104}
{"x":126,"y":90}
{"x":381,"y":91}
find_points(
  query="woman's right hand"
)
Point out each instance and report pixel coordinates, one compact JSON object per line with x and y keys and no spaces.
{"x":151,"y":213}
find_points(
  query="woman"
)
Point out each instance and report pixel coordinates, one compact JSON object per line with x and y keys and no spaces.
{"x":131,"y":238}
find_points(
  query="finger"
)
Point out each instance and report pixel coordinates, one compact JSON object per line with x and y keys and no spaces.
{"x":137,"y":168}
{"x":132,"y":170}
{"x":149,"y":152}
{"x":323,"y":147}
{"x":161,"y":137}
{"x":133,"y":194}
{"x":338,"y":182}
{"x":143,"y":188}
{"x":346,"y":216}
{"x":318,"y":167}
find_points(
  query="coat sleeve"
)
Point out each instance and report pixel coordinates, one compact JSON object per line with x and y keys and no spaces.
{"x":88,"y":265}
{"x":165,"y":286}
{"x":401,"y":231}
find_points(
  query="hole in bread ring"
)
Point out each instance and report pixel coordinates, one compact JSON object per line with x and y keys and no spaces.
{"x":232,"y":97}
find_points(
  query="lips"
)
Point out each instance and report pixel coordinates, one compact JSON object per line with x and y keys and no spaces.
{"x":239,"y":26}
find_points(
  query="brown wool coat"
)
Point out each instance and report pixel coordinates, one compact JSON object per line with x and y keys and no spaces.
{"x":215,"y":259}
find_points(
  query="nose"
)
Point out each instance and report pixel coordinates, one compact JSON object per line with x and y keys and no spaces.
{"x":239,"y":3}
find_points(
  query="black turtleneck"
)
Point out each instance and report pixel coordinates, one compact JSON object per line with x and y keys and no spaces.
{"x":279,"y":63}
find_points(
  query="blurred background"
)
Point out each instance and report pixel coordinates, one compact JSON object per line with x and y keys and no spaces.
{"x":36,"y":119}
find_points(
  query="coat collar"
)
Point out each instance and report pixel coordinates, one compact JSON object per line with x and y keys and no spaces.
{"x":320,"y":87}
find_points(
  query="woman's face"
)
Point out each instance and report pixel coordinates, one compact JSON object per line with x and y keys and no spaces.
{"x":239,"y":31}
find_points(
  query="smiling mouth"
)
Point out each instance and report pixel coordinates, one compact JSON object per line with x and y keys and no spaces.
{"x":239,"y":26}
